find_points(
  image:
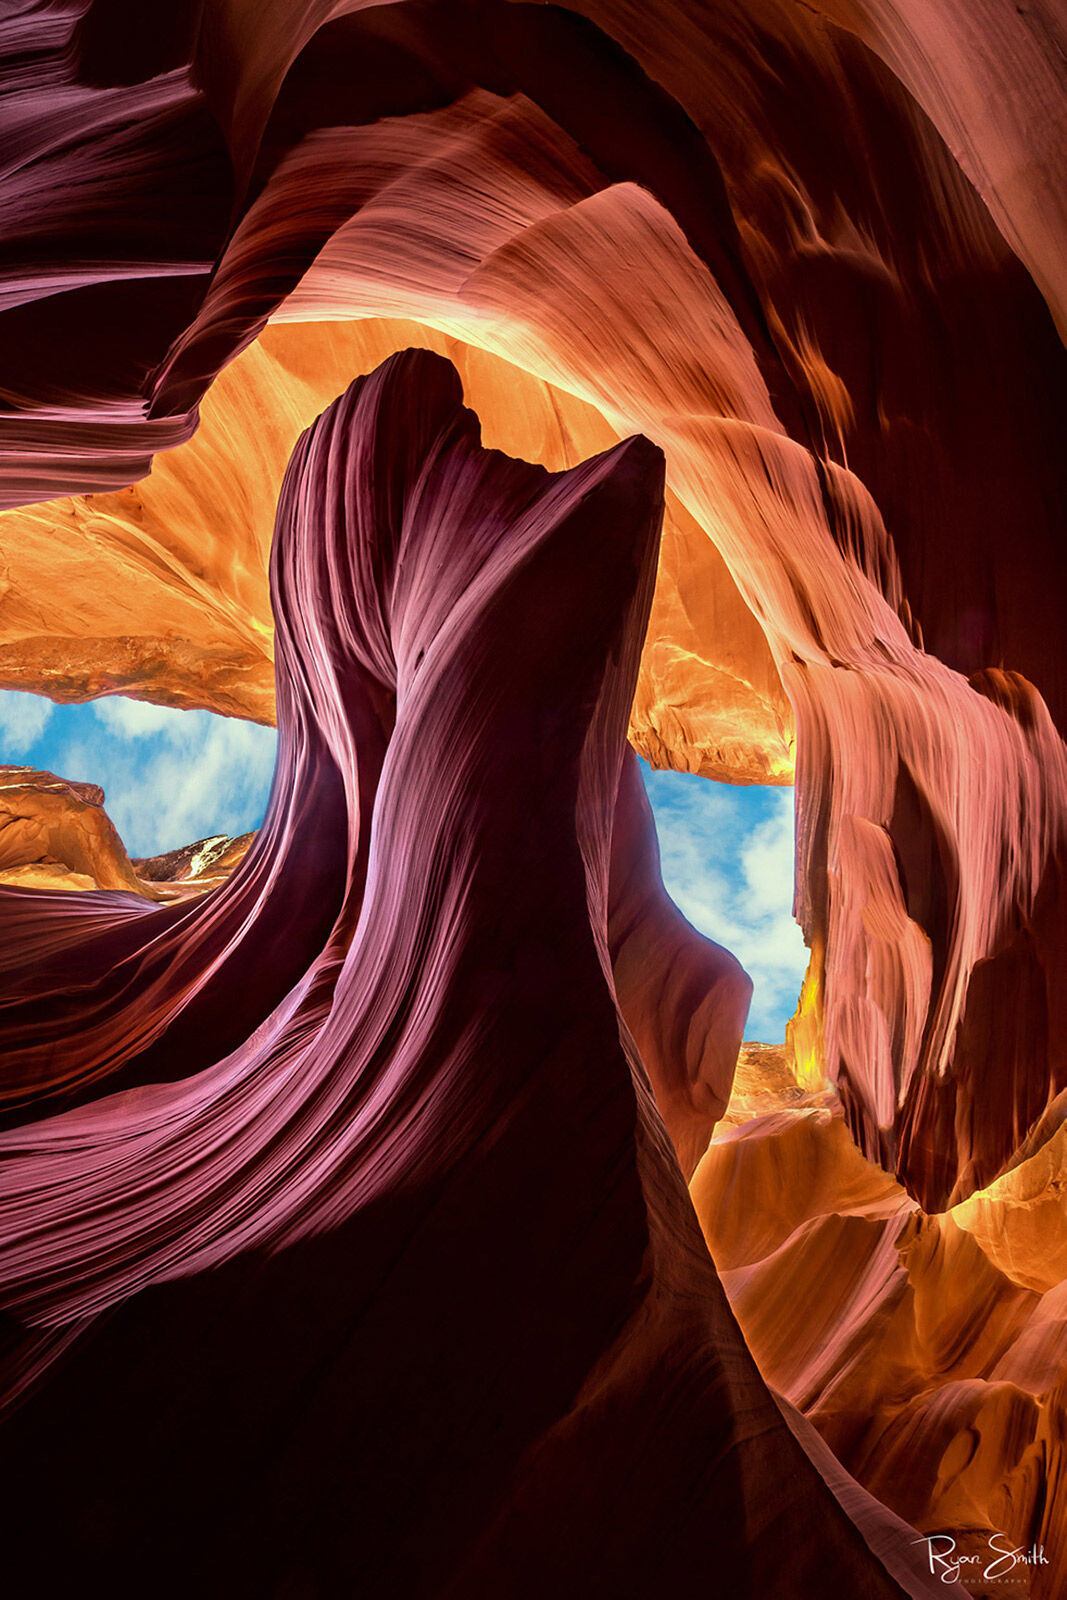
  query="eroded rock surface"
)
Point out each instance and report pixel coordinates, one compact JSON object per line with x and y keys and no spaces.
{"x":929,"y":1351}
{"x":55,"y":834}
{"x":782,"y":274}
{"x":296,"y":1211}
{"x":814,"y":254}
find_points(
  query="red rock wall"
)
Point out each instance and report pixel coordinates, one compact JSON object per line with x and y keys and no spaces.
{"x":741,"y":235}
{"x":814,"y":255}
{"x":416,"y":1262}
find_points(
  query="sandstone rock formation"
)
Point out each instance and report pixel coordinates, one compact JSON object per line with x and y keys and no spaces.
{"x":195,"y":868}
{"x":813,"y":253}
{"x":929,"y":1351}
{"x":172,"y":571}
{"x":297,"y":1211}
{"x":683,"y":998}
{"x":55,"y":834}
{"x":832,"y":337}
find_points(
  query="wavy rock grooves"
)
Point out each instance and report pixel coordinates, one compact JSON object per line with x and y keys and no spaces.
{"x":298,"y":1254}
{"x":344,"y":1238}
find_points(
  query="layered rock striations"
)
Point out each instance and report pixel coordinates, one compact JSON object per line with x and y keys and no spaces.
{"x":929,"y":1350}
{"x":172,"y":572}
{"x":315,"y":1219}
{"x":813,"y":253}
{"x":684,"y":999}
{"x":778,"y":272}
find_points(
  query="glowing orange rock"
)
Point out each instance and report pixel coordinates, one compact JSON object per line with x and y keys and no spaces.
{"x":302,"y":1209}
{"x":833,"y":337}
{"x":55,"y":834}
{"x":929,"y":1351}
{"x":796,"y":254}
{"x":172,"y":574}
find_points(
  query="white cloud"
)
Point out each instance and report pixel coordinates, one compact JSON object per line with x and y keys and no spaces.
{"x":767,"y":859}
{"x":170,"y":777}
{"x":23,"y":719}
{"x":209,"y":777}
{"x":133,"y":719}
{"x":727,"y":858}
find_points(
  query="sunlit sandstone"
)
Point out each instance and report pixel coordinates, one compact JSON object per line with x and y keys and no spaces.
{"x":813,"y":255}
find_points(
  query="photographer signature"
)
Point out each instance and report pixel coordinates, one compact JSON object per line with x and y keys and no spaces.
{"x":1002,"y":1557}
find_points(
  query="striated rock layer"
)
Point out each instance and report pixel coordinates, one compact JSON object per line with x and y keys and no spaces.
{"x":929,"y":1351}
{"x":787,"y":243}
{"x":293,"y":1261}
{"x":172,"y":573}
{"x":815,"y":254}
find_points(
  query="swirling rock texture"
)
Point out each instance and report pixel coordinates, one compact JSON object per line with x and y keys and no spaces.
{"x":172,"y":573}
{"x":932,"y":1351}
{"x":402,"y":1395}
{"x":814,"y":253}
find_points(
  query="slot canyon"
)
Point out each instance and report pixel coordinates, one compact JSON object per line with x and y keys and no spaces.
{"x":489,"y":394}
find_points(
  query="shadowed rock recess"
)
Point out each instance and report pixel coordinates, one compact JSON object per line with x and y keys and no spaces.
{"x":470,"y":387}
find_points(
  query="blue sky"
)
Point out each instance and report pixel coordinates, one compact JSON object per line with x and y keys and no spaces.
{"x":171,"y":777}
{"x":727,"y":858}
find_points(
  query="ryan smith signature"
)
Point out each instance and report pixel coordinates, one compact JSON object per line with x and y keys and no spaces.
{"x":1002,"y":1557}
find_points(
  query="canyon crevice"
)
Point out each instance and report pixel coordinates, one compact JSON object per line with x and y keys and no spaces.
{"x":759,"y":309}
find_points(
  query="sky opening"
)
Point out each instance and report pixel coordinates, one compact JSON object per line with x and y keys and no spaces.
{"x":172,"y":777}
{"x":727,"y":859}
{"x":169,"y":777}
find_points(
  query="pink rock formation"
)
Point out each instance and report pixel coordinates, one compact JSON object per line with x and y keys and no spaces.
{"x":832,"y":334}
{"x":814,"y":253}
{"x":683,"y":998}
{"x":318,"y":1215}
{"x":172,"y":572}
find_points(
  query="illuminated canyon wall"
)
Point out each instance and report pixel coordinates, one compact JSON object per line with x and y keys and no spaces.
{"x":813,"y":256}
